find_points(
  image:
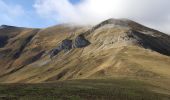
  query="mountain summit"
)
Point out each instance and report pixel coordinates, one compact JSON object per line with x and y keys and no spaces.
{"x":113,"y":48}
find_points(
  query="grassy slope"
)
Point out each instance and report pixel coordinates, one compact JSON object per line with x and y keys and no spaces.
{"x":113,"y":89}
{"x":107,"y":57}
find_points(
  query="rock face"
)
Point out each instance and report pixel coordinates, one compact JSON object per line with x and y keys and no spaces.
{"x":159,"y":44}
{"x":67,"y":45}
{"x":54,"y":52}
{"x":80,"y":42}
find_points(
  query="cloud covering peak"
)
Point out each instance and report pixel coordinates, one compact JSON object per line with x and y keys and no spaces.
{"x":154,"y":13}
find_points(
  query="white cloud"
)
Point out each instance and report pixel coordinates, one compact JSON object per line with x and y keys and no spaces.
{"x":154,"y":13}
{"x":10,"y":13}
{"x":60,"y":10}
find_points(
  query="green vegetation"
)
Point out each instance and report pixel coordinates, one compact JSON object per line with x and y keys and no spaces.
{"x":117,"y":89}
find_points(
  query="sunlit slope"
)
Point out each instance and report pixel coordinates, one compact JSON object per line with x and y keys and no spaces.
{"x":118,"y":48}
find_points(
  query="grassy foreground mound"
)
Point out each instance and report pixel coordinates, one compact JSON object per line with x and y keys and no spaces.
{"x":98,"y":89}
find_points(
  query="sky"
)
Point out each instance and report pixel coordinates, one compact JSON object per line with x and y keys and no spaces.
{"x":45,"y":13}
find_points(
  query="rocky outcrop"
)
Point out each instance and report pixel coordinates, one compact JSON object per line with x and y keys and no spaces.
{"x":81,"y":42}
{"x":54,"y":52}
{"x":67,"y":45}
{"x":159,"y":44}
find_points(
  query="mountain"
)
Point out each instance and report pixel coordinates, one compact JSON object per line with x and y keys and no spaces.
{"x":113,"y":49}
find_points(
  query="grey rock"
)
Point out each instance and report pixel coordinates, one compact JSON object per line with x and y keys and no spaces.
{"x":54,"y":52}
{"x":80,"y":42}
{"x":159,"y":44}
{"x":66,"y":45}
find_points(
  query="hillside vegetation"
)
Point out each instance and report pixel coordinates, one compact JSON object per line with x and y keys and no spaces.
{"x":115,"y":48}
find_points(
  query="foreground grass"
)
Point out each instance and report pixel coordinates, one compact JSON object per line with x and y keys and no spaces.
{"x":118,"y":89}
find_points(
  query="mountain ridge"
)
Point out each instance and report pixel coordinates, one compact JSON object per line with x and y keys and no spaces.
{"x":114,"y":47}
